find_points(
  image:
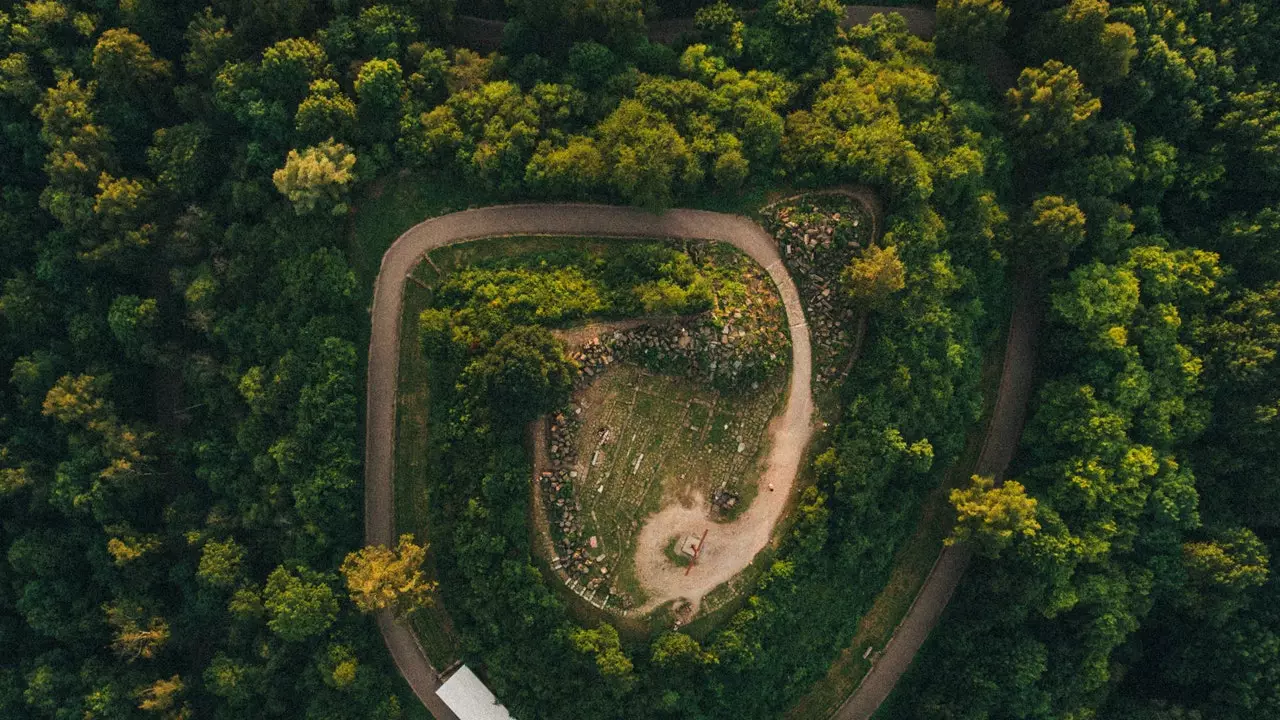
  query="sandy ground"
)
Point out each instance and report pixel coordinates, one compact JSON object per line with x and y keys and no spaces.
{"x":730,"y":547}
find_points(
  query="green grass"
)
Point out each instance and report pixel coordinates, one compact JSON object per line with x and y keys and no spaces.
{"x":395,"y":204}
{"x":672,"y":551}
{"x":413,"y":462}
{"x":660,"y":451}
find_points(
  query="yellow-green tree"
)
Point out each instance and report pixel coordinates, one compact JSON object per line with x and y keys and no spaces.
{"x":379,"y":578}
{"x":1050,"y":110}
{"x":1222,"y":570}
{"x":873,"y":276}
{"x":992,"y":517}
{"x":604,"y":643}
{"x":318,"y":173}
{"x":137,"y":637}
{"x":1054,"y":227}
{"x":161,"y":696}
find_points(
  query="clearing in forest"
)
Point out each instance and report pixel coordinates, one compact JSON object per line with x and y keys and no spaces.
{"x":633,"y":442}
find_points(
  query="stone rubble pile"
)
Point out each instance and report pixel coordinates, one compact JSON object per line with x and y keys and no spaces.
{"x":816,"y":243}
{"x":579,"y":557}
{"x":726,"y":357}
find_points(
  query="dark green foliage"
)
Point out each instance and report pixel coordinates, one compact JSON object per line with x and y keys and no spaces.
{"x":1151,"y":450}
{"x":180,"y":366}
{"x":523,"y":374}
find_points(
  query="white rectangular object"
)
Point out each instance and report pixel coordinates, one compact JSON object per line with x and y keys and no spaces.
{"x":469,"y":699}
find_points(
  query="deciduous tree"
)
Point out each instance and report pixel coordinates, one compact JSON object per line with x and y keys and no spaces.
{"x":873,"y":276}
{"x":317,"y":177}
{"x":379,"y":577}
{"x":993,"y":517}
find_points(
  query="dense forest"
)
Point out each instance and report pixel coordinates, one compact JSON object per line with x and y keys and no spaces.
{"x":182,"y":336}
{"x":1127,"y":574}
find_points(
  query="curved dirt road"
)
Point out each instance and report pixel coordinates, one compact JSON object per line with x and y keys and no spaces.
{"x":788,"y":443}
{"x":998,"y":448}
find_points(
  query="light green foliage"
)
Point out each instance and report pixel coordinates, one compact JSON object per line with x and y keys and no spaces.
{"x":78,"y":146}
{"x":339,"y":667}
{"x":720,"y":26}
{"x":527,"y":296}
{"x":1051,"y":110}
{"x":300,"y":604}
{"x":384,"y":31}
{"x":647,"y":158}
{"x":379,"y":87}
{"x":289,"y":66}
{"x":1235,"y":561}
{"x":604,"y":644}
{"x":681,"y":290}
{"x":859,"y":127}
{"x":125,"y":65}
{"x":870,"y":278}
{"x":317,"y":177}
{"x":17,"y":81}
{"x":678,"y":652}
{"x":1054,"y":228}
{"x":325,"y":113}
{"x":1104,"y":300}
{"x":575,"y":170}
{"x":220,"y":563}
{"x":993,"y":518}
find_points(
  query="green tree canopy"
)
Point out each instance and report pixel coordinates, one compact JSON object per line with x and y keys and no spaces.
{"x":316,"y":177}
{"x":1050,"y":111}
{"x":301,"y":604}
{"x":870,"y":278}
{"x":993,"y":517}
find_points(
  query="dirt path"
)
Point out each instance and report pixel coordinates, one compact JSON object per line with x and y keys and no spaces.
{"x":1003,"y":433}
{"x":733,"y":545}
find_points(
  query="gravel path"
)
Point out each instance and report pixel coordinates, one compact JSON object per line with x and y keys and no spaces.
{"x":731,"y":546}
{"x":998,"y":447}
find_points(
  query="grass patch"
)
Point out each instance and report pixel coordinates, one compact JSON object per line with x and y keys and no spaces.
{"x":413,"y":461}
{"x":647,"y":441}
{"x":672,"y":551}
{"x":393,"y":205}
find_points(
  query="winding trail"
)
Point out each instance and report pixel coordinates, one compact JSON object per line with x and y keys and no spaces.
{"x":607,"y":221}
{"x":791,"y":434}
{"x":1003,"y":434}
